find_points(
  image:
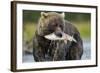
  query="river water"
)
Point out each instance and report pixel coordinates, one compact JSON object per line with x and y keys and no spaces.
{"x":86,"y":52}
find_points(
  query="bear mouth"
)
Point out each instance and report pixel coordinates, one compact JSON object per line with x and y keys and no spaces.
{"x":65,"y":37}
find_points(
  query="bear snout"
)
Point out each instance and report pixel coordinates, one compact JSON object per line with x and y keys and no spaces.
{"x":58,"y":34}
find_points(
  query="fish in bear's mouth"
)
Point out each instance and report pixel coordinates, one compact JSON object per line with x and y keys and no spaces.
{"x":65,"y":37}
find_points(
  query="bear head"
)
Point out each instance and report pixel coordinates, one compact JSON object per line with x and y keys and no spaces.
{"x":51,"y":22}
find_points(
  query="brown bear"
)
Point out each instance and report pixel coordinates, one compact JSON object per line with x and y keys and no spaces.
{"x":56,"y":39}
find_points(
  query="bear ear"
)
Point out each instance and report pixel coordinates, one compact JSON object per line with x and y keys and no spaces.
{"x":63,"y":15}
{"x":43,"y":14}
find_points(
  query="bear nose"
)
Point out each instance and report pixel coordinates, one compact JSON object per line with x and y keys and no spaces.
{"x":59,"y":34}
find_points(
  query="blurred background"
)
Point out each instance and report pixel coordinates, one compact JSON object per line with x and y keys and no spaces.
{"x":82,"y":21}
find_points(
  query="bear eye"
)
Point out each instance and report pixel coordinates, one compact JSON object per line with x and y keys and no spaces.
{"x":60,"y":25}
